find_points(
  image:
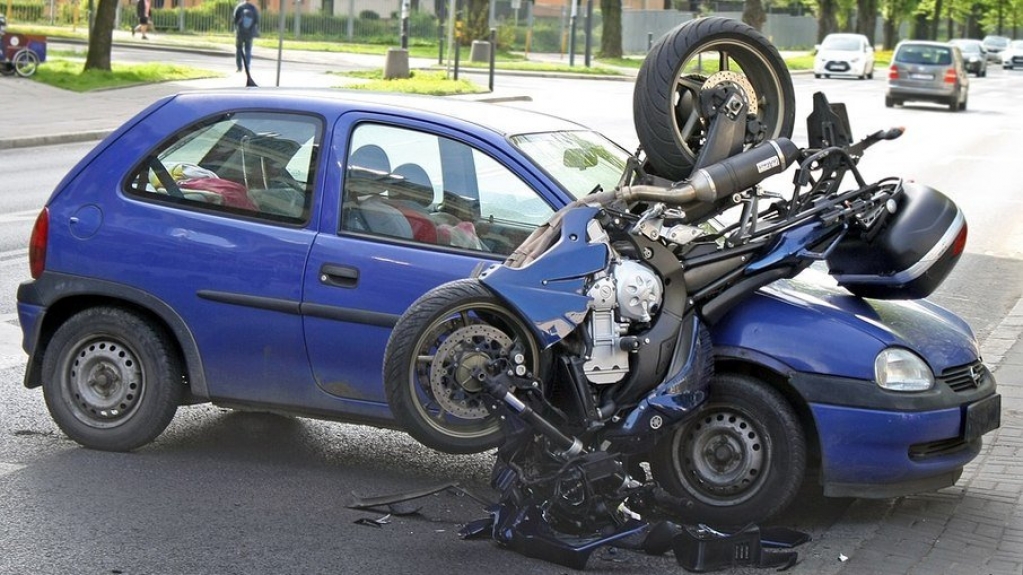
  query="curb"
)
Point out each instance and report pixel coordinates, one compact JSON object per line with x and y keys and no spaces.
{"x":53,"y":139}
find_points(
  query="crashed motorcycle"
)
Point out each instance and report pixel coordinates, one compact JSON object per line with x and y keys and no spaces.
{"x":589,"y":345}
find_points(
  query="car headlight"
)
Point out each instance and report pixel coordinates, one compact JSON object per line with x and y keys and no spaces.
{"x":898,"y":369}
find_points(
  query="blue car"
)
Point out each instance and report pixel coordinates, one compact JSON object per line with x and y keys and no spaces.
{"x":253,"y":249}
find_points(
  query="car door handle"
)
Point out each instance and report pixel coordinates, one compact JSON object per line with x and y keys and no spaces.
{"x":339,"y":276}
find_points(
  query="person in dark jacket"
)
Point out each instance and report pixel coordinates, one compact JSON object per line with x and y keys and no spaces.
{"x":246,"y":27}
{"x":144,"y":10}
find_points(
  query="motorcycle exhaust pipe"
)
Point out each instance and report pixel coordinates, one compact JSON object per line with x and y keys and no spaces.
{"x":727,"y":177}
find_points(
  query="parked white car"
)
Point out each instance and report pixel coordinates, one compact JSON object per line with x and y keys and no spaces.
{"x":844,"y":55}
{"x":1012,"y":57}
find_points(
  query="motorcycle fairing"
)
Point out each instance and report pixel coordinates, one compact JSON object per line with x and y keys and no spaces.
{"x":550,"y":291}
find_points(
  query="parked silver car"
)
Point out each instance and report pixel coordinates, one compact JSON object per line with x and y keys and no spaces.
{"x":974,"y":55}
{"x":994,"y":45}
{"x":927,"y":71}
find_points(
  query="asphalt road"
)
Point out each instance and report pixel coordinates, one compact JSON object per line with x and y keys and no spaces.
{"x":228,"y":492}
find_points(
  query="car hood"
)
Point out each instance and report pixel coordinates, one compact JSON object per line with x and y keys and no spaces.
{"x":840,"y":54}
{"x":825,"y":329}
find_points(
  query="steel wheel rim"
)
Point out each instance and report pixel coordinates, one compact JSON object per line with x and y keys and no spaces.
{"x":731,"y":53}
{"x":723,"y":456}
{"x":103,"y":382}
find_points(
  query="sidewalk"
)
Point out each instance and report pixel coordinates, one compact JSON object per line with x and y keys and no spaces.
{"x":973,"y":528}
{"x":36,"y":114}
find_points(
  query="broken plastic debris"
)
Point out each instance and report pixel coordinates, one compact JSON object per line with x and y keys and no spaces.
{"x":842,"y":558}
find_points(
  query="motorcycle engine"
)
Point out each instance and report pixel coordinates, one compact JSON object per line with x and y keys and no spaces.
{"x":632,"y":292}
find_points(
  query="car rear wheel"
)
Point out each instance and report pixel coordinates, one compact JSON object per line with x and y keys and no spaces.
{"x":741,"y":458}
{"x":889,"y":101}
{"x":111,"y":380}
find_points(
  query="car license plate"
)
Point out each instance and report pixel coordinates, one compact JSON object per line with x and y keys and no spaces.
{"x":982,"y":416}
{"x":921,"y":76}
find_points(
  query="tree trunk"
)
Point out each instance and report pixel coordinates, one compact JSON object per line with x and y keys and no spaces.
{"x":866,"y":19}
{"x":611,"y":31}
{"x":101,"y":36}
{"x":827,"y":20}
{"x":935,"y":20}
{"x":753,"y":14}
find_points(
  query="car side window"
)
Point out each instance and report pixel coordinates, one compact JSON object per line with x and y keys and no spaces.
{"x":424,"y":188}
{"x":256,"y":164}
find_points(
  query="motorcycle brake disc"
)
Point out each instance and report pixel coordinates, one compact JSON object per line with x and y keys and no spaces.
{"x":738,"y":80}
{"x":463,"y":353}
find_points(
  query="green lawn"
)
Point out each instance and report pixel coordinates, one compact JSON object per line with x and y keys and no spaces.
{"x":68,"y":74}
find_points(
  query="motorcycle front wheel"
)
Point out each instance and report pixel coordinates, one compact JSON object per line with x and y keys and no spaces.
{"x":697,"y":55}
{"x":430,"y":358}
{"x":740,"y":459}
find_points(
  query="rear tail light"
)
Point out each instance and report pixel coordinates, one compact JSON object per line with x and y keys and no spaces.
{"x":893,"y":73}
{"x":950,"y":76}
{"x":37,"y":244}
{"x":959,"y":245}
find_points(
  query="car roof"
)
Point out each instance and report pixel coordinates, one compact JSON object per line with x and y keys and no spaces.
{"x":922,"y":43}
{"x":504,"y":121}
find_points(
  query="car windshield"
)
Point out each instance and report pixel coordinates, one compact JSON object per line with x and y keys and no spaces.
{"x":996,"y":41}
{"x":924,"y":54}
{"x":578,"y":160}
{"x":845,"y":43}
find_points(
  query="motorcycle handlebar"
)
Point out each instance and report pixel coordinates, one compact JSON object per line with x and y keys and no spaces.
{"x":720,"y":180}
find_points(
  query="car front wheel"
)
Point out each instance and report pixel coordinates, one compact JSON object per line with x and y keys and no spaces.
{"x":740,"y":459}
{"x":111,"y":380}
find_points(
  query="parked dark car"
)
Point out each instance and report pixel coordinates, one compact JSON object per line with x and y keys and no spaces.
{"x":928,"y":72}
{"x":974,"y":55}
{"x":254,"y":249}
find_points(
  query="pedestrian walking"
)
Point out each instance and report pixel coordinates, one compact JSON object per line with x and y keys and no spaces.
{"x":143,"y":8}
{"x":246,"y":27}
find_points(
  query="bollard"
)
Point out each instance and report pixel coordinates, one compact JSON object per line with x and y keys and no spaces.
{"x":396,"y":64}
{"x":493,"y":51}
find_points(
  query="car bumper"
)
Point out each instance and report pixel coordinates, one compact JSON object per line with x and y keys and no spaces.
{"x":840,"y":68}
{"x":880,"y":453}
{"x":932,"y":94}
{"x":875,"y":443}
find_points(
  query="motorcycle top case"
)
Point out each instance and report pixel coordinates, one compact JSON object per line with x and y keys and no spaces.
{"x":914,"y":252}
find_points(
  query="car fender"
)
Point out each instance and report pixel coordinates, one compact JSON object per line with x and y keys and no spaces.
{"x":62,"y":295}
{"x":810,"y":326}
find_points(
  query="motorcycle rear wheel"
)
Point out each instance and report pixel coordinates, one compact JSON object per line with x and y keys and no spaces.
{"x":666,"y":108}
{"x":430,"y":354}
{"x":740,"y":459}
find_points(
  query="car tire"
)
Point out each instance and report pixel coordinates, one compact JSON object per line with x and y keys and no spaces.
{"x":962,"y":106}
{"x":666,"y":110}
{"x":111,"y":380}
{"x":953,"y":103}
{"x":428,"y":394}
{"x":741,"y":458}
{"x":889,"y":102}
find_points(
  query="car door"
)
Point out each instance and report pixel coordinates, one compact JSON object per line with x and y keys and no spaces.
{"x":416,"y":205}
{"x":221,"y":214}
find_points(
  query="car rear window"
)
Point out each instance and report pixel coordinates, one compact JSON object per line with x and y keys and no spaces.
{"x":257,"y":164}
{"x":924,"y":54}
